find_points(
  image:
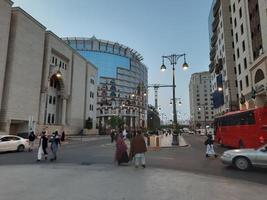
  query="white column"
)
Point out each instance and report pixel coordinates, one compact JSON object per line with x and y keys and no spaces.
{"x":64,"y":108}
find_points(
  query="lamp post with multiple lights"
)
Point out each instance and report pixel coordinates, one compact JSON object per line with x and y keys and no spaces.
{"x":173,"y":61}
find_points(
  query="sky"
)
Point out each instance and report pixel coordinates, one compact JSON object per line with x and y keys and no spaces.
{"x":152,"y":27}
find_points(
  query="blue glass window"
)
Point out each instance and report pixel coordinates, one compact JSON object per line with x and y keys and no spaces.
{"x":107,"y":63}
{"x":80,"y":44}
{"x":88,"y":45}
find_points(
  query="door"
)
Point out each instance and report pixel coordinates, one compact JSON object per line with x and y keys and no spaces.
{"x":5,"y":144}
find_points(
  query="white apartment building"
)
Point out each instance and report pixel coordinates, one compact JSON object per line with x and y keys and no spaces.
{"x":250,"y":42}
{"x":31,"y":93}
{"x":201,"y":102}
{"x":222,"y":58}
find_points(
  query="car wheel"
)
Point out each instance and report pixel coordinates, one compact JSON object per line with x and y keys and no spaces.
{"x":242,"y":163}
{"x":21,"y":148}
{"x":241,"y":144}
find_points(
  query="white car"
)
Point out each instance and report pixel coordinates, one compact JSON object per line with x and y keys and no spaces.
{"x":13,"y":143}
{"x":243,"y":159}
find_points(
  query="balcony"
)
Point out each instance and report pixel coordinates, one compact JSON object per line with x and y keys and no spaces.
{"x":215,"y":23}
{"x":212,"y":53}
{"x":214,"y":39}
{"x":216,"y":7}
{"x":211,"y":67}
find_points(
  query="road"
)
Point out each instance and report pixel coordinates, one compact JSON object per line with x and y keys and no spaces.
{"x":97,"y":155}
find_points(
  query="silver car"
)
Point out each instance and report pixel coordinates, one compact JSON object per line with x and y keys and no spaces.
{"x":243,"y":159}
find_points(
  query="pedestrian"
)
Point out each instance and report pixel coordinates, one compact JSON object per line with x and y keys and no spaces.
{"x":138,"y":149}
{"x":124,"y":134}
{"x":112,"y":135}
{"x":62,"y":136}
{"x":121,"y":155}
{"x":31,"y":140}
{"x":55,"y":142}
{"x":43,"y":143}
{"x":210,"y":149}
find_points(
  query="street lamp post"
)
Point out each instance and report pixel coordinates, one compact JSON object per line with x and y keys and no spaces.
{"x":173,"y":61}
{"x":205,"y":122}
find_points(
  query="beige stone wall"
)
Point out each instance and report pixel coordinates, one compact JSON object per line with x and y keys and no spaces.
{"x":5,"y":16}
{"x":77,"y":103}
{"x":91,"y":74}
{"x":24,"y":67}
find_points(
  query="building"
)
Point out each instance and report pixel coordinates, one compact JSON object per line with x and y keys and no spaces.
{"x":250,"y":42}
{"x":153,"y":119}
{"x":122,"y":82}
{"x":201,"y":100}
{"x":222,"y":58}
{"x":44,"y":82}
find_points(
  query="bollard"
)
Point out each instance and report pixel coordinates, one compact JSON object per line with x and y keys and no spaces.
{"x":148,"y":141}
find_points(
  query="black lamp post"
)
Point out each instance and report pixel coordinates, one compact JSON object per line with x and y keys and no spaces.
{"x":173,"y":61}
{"x":205,"y":121}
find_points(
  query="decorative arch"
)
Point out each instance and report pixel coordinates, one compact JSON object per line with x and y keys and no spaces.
{"x":259,"y":75}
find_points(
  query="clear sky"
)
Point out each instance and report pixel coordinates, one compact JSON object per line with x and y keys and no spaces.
{"x":152,"y":27}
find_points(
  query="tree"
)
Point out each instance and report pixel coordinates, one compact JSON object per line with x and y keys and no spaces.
{"x":116,"y":122}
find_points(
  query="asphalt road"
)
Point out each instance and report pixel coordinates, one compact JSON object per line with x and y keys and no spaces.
{"x":187,"y":159}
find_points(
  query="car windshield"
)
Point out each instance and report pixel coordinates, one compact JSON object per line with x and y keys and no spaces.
{"x":262,"y":147}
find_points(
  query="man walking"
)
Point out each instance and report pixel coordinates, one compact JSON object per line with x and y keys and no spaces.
{"x":138,"y":149}
{"x":43,"y":143}
{"x":55,"y":142}
{"x":31,"y":140}
{"x":210,"y":150}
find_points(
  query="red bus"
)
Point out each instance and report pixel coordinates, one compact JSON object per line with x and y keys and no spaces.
{"x":242,"y":129}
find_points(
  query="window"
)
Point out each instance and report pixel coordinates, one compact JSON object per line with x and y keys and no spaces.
{"x":53,"y":59}
{"x":50,"y":99}
{"x":48,"y":119}
{"x":245,"y":63}
{"x":245,"y":118}
{"x":237,"y":51}
{"x":239,"y":69}
{"x":236,"y":37}
{"x":92,"y":81}
{"x":54,"y":100}
{"x":247,"y":83}
{"x":240,"y":85}
{"x":234,"y":57}
{"x":235,"y":70}
{"x":243,"y":46}
{"x":235,"y":22}
{"x":240,"y":13}
{"x":259,"y":75}
{"x":242,"y":29}
{"x":236,"y":83}
{"x":198,"y":99}
{"x":53,"y":118}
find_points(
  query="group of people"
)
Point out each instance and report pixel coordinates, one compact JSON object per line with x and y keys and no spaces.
{"x":55,"y":141}
{"x":137,"y":149}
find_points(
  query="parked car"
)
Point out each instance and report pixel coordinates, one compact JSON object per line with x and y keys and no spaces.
{"x":243,"y":159}
{"x":13,"y":143}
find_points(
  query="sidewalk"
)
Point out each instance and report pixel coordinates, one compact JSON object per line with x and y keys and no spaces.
{"x":109,"y":182}
{"x":166,"y":141}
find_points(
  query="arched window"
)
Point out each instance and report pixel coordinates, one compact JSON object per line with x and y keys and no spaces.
{"x":259,"y":75}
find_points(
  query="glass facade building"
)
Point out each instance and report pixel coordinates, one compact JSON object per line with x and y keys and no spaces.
{"x":122,"y":80}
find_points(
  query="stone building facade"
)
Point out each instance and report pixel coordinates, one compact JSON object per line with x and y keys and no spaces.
{"x":201,"y":100}
{"x":46,"y":83}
